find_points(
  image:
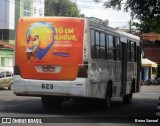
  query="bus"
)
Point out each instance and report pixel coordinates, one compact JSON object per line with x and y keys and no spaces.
{"x":62,"y":58}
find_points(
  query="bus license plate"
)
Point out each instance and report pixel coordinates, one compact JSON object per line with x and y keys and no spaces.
{"x":47,"y":86}
{"x":48,"y":69}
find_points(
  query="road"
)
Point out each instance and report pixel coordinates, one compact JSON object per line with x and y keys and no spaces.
{"x":143,"y":107}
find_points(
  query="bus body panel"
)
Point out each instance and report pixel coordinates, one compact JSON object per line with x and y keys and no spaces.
{"x":104,"y":71}
{"x":67,"y":59}
{"x":60,"y":47}
{"x":32,"y":87}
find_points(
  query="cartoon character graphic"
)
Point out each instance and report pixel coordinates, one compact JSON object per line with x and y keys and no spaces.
{"x":29,"y":48}
{"x":39,"y":38}
{"x":32,"y":47}
{"x":35,"y":46}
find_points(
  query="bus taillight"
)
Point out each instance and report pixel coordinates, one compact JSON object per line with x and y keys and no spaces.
{"x":17,"y":70}
{"x":82,"y":72}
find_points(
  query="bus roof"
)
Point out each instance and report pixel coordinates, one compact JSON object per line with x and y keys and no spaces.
{"x":103,"y":27}
{"x":129,"y":35}
{"x":94,"y":24}
{"x":49,"y":17}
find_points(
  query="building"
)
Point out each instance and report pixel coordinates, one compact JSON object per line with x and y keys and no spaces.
{"x":10,"y":12}
{"x":149,"y":69}
{"x":151,"y":47}
{"x":6,"y":55}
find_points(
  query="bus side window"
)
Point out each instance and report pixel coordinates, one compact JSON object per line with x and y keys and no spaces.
{"x":102,"y":45}
{"x":106,"y":53}
{"x":118,"y":48}
{"x":93,"y":45}
{"x":97,"y":45}
{"x":129,"y":50}
{"x":110,"y":47}
{"x":114,"y":48}
{"x":133,"y":51}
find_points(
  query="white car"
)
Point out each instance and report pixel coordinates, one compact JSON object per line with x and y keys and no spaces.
{"x":6,"y":79}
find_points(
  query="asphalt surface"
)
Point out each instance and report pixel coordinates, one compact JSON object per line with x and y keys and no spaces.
{"x":80,"y":113}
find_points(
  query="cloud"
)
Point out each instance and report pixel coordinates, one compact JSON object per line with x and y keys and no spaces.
{"x":92,"y":9}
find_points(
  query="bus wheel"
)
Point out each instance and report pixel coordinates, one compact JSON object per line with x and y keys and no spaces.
{"x":107,"y":101}
{"x":49,"y":103}
{"x":127,"y":99}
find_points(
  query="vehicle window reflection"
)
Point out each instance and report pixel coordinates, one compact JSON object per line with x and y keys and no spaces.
{"x":8,"y":74}
{"x":2,"y":75}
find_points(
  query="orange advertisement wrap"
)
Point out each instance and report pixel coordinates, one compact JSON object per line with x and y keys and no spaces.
{"x":49,"y":48}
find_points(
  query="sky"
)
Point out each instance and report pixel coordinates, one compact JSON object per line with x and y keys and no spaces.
{"x":116,"y":18}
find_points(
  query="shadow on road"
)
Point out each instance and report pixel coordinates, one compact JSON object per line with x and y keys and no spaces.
{"x":33,"y":106}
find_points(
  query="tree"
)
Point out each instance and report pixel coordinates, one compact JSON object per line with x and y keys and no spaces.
{"x":82,"y":15}
{"x":141,"y":9}
{"x":103,"y":22}
{"x":147,"y":11}
{"x":106,"y":22}
{"x":61,"y":8}
{"x":97,"y":1}
{"x":147,"y":26}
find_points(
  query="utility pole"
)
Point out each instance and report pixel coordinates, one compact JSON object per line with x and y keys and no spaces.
{"x":130,"y":28}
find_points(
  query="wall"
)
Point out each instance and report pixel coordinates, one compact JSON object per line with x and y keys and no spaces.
{"x":6,"y":53}
{"x":7,"y":20}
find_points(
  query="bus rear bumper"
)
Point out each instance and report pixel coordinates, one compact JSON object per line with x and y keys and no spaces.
{"x":28,"y":87}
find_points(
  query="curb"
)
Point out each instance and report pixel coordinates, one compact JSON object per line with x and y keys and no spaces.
{"x":158,"y":109}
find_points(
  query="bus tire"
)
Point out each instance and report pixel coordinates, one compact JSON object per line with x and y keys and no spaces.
{"x":49,"y":103}
{"x":127,"y":99}
{"x":107,"y":101}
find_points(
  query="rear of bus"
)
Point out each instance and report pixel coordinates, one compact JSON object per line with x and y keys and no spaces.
{"x":48,"y":57}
